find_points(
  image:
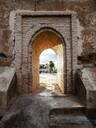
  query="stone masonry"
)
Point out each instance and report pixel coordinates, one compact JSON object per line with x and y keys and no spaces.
{"x":76,"y":17}
{"x":28,"y":24}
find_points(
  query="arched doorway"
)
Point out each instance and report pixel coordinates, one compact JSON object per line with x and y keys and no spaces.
{"x":27,"y":27}
{"x":48,"y":78}
{"x":45,"y":39}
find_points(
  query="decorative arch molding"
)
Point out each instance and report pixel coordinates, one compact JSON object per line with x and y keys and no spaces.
{"x":28,"y":25}
{"x":38,"y":30}
{"x":46,"y":28}
{"x":60,"y":41}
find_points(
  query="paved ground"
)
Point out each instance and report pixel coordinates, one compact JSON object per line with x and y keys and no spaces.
{"x":33,"y":111}
{"x":49,"y":81}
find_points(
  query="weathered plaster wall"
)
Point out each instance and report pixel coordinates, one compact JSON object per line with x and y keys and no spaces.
{"x":86,"y":10}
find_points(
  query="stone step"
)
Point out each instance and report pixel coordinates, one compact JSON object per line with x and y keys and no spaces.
{"x":86,"y":87}
{"x":68,"y":110}
{"x":68,"y":118}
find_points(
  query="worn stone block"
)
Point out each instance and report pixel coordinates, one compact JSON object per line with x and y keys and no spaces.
{"x":7,"y":86}
{"x":69,"y":118}
{"x":86,"y":87}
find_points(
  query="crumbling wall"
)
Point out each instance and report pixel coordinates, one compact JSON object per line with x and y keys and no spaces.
{"x":86,"y":10}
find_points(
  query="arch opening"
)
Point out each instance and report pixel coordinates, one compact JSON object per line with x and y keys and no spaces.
{"x":43,"y":41}
{"x":48,"y":78}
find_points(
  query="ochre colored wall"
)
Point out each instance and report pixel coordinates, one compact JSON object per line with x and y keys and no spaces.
{"x":59,"y":49}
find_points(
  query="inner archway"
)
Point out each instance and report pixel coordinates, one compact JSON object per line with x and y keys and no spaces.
{"x":44,"y":40}
{"x":48,"y":78}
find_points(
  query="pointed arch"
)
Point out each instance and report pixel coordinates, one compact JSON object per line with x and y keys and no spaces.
{"x":42,"y":39}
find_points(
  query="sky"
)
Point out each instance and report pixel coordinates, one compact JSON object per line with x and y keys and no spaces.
{"x":48,"y":55}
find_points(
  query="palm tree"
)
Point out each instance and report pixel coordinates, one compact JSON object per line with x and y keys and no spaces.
{"x":51,"y":66}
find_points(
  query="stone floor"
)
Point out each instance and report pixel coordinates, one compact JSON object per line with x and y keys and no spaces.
{"x":33,"y":111}
{"x":49,"y":81}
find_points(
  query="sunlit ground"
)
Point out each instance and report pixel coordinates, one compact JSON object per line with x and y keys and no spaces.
{"x":49,"y":81}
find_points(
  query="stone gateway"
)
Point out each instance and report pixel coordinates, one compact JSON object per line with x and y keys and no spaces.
{"x":31,"y":30}
{"x":27,"y":29}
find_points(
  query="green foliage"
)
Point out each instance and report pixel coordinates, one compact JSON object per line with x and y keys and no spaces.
{"x":51,"y":65}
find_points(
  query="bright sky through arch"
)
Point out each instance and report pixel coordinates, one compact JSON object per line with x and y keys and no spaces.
{"x":48,"y":55}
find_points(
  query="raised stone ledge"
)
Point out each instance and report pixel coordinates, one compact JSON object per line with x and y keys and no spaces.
{"x":44,"y":13}
{"x":7,"y":86}
{"x":70,"y":118}
{"x":86,"y":86}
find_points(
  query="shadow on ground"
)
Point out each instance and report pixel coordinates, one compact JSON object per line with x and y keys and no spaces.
{"x":32,"y":111}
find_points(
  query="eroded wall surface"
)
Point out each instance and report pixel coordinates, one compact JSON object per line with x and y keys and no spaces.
{"x":86,"y":10}
{"x":86,"y":15}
